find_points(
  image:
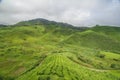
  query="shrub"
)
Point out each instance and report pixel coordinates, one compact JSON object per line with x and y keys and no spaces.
{"x":101,"y":55}
{"x":113,"y":65}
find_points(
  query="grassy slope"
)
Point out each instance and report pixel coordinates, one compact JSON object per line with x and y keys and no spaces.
{"x":113,"y":32}
{"x":94,"y":40}
{"x":26,"y":50}
{"x":58,"y":67}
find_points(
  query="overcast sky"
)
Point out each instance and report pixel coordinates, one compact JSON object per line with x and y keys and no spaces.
{"x":75,"y":12}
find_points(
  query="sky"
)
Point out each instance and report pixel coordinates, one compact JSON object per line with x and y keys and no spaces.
{"x":75,"y":12}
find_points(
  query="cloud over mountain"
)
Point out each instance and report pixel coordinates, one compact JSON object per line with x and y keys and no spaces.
{"x":76,"y":12}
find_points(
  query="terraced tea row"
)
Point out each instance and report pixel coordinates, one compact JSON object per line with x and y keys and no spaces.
{"x":59,"y":67}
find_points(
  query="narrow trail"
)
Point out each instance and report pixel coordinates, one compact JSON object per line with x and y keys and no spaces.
{"x":104,"y":70}
{"x":93,"y":69}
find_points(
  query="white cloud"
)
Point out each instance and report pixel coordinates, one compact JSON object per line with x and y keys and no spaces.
{"x":76,"y":12}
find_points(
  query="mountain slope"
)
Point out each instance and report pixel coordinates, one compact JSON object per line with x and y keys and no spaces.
{"x":40,"y":49}
{"x":113,"y":32}
{"x":94,"y":40}
{"x":58,"y":67}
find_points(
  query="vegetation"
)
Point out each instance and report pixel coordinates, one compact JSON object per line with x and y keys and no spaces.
{"x":46,"y":50}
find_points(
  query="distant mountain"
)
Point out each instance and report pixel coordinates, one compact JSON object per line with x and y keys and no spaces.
{"x":41,"y":21}
{"x":2,"y":25}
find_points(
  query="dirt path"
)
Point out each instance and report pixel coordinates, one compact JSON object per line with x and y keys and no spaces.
{"x":91,"y":68}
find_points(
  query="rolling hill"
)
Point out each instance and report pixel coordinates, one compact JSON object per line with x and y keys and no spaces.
{"x":40,"y":49}
{"x":95,"y":40}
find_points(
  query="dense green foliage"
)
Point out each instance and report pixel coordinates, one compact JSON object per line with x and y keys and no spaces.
{"x":47,"y":50}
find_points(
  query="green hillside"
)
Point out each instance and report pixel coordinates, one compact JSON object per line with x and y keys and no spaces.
{"x":112,"y":31}
{"x":40,"y":49}
{"x":95,"y":40}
